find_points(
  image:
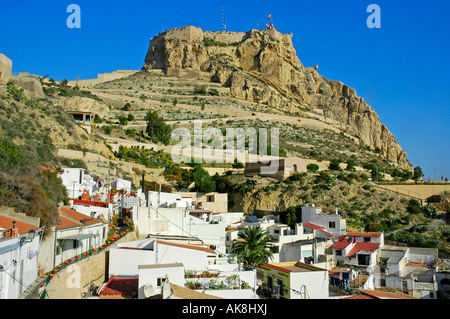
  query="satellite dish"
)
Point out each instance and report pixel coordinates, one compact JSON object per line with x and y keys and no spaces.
{"x":149,"y":291}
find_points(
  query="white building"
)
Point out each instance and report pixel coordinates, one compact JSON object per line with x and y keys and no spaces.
{"x":334,"y":224}
{"x":408,"y":270}
{"x":125,"y":258}
{"x":182,"y":222}
{"x":359,"y":250}
{"x":121,"y":184}
{"x":19,"y":248}
{"x":153,"y":276}
{"x":169,"y":200}
{"x":94,"y":209}
{"x":74,"y":234}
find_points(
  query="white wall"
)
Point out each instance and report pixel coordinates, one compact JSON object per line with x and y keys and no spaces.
{"x":149,"y":276}
{"x":316,"y":283}
{"x":97,"y":210}
{"x":125,"y":261}
{"x":20,"y":264}
{"x":177,"y":222}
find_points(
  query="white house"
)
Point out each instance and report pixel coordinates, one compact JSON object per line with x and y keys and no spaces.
{"x":74,"y":234}
{"x":182,"y":222}
{"x":94,"y":209}
{"x":169,"y":200}
{"x":125,"y":258}
{"x":19,"y":248}
{"x":408,"y":270}
{"x":359,"y":249}
{"x":334,"y":224}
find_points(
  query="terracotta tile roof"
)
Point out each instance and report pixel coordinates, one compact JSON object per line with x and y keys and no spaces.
{"x":23,"y":228}
{"x":121,"y":286}
{"x":341,"y":244}
{"x":415,"y":264}
{"x":293,"y":266}
{"x":373,"y":234}
{"x":360,"y":297}
{"x":378,"y":294}
{"x":64,"y":222}
{"x":81,"y":218}
{"x":362,"y":246}
{"x":208,"y":250}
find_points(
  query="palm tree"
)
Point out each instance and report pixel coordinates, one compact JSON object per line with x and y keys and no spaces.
{"x":255,"y":246}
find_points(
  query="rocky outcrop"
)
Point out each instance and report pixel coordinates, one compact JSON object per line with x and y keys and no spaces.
{"x":263,"y":66}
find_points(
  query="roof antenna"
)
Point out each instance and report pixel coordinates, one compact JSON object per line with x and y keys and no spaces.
{"x":223,"y":20}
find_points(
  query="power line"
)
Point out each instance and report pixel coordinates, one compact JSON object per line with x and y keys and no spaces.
{"x":20,"y":282}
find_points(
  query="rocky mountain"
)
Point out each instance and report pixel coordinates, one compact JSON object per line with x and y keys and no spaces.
{"x":262,"y":66}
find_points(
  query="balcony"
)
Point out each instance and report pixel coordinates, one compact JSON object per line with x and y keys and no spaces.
{"x":425,"y":286}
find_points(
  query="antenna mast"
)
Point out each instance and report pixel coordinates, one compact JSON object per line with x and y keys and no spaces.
{"x":223,"y":20}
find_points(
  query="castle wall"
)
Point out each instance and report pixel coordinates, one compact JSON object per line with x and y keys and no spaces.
{"x":5,"y":67}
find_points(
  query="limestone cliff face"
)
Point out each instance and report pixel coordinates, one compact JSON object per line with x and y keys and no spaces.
{"x":263,"y":66}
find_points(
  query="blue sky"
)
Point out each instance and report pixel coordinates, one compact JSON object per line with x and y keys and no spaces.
{"x":401,"y":69}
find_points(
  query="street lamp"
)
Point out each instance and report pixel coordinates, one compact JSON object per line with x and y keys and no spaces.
{"x":28,"y":238}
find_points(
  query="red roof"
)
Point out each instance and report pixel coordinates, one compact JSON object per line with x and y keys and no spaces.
{"x":64,"y":222}
{"x":373,"y":234}
{"x":341,"y":244}
{"x":81,"y":218}
{"x":90,"y":202}
{"x":362,"y":246}
{"x":23,"y":228}
{"x":121,"y":286}
{"x":208,"y":250}
{"x":47,"y":169}
{"x":384,"y":294}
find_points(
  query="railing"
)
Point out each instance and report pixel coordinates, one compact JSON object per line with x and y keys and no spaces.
{"x":76,"y":258}
{"x":425,"y":286}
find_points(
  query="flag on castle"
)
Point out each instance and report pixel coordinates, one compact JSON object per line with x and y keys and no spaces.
{"x":269,"y":16}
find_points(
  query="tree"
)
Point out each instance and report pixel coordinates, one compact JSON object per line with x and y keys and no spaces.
{"x":203,"y":181}
{"x":335,"y":165}
{"x":256,"y":245}
{"x":122,"y":120}
{"x":418,"y":174}
{"x":350,"y":165}
{"x":313,"y":168}
{"x":157,"y":129}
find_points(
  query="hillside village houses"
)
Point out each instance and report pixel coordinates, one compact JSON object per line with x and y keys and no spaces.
{"x":183,"y":250}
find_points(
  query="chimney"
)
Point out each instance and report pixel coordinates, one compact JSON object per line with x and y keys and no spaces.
{"x":14,"y":230}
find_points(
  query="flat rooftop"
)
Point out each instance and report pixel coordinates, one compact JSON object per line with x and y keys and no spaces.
{"x":293,"y":266}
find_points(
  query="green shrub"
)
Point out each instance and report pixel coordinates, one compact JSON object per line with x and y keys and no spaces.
{"x":313,"y":168}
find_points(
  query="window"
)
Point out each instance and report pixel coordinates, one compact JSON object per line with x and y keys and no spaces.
{"x":382,"y":282}
{"x":363,"y":260}
{"x":269,"y":282}
{"x":338,"y":252}
{"x":331,"y":224}
{"x":367,"y":239}
{"x":405,"y":286}
{"x":280,"y":284}
{"x":160,"y":281}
